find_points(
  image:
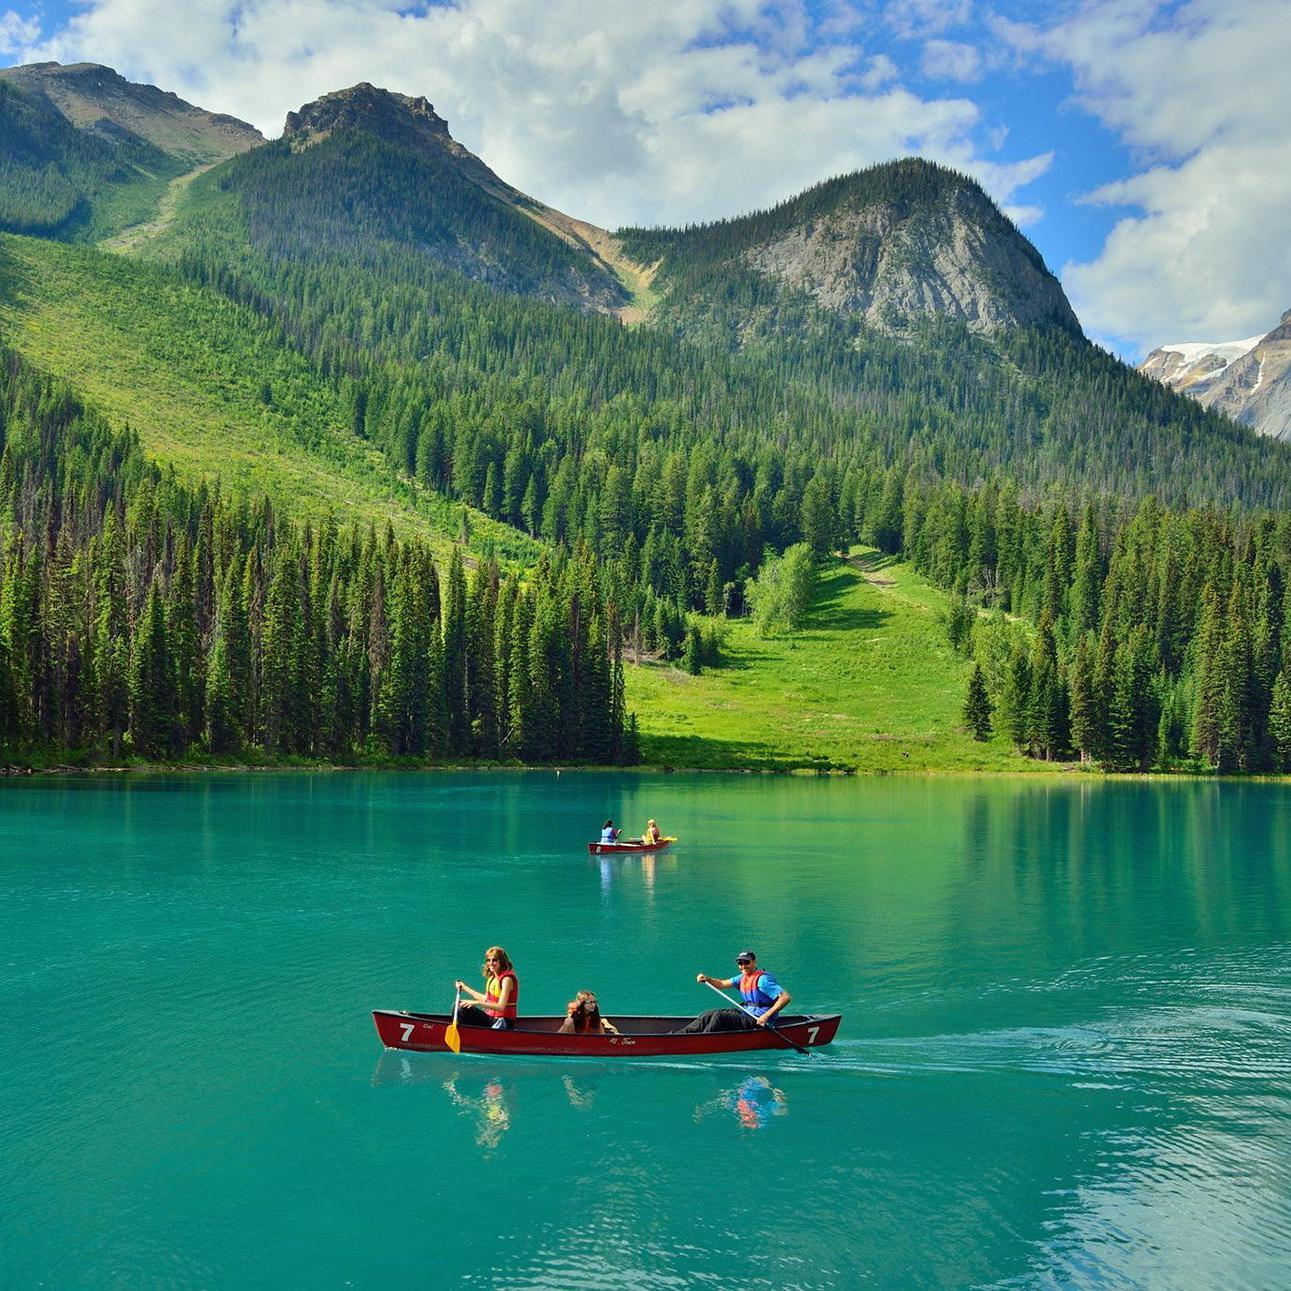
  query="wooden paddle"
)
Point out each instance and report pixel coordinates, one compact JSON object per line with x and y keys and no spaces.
{"x":452,"y":1036}
{"x":793,"y":1044}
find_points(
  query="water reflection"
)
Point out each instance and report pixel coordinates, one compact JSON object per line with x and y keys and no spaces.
{"x":755,"y":1103}
{"x":645,"y":867}
{"x":490,"y":1109}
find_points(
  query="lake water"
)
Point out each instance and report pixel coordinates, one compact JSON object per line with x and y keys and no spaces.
{"x":1065,"y":1058}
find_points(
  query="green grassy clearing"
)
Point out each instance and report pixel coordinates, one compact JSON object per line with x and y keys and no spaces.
{"x":870,"y":684}
{"x":211,"y":391}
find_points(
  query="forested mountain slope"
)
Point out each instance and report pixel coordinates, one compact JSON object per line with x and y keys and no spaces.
{"x":140,"y":615}
{"x":213,"y":391}
{"x":364,"y":169}
{"x":85,"y":153}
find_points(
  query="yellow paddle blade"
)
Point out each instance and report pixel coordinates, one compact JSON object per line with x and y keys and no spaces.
{"x":453,"y":1038}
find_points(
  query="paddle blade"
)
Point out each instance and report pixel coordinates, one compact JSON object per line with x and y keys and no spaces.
{"x":453,"y":1038}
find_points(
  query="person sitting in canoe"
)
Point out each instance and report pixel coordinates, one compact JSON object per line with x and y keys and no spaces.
{"x":608,"y":833}
{"x":495,"y":1006}
{"x":583,"y":1017}
{"x":651,"y":835}
{"x":762,"y":996}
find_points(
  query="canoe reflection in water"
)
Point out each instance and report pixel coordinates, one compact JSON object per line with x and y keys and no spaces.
{"x":491,"y":1110}
{"x":755,"y":1101}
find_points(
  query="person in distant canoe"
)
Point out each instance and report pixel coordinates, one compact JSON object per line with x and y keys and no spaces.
{"x":762,"y":996}
{"x":583,"y":1017}
{"x":608,"y":833}
{"x":495,"y":1006}
{"x":651,"y":835}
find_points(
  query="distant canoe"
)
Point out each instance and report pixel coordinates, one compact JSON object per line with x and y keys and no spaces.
{"x":639,"y":1037}
{"x":628,"y":847}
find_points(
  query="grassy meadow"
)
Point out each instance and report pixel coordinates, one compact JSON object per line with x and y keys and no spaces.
{"x":211,"y":391}
{"x":870,"y":684}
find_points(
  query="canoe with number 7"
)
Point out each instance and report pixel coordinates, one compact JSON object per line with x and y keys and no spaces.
{"x":639,"y":1037}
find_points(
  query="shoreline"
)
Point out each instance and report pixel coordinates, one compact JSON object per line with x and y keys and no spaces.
{"x":1043,"y":773}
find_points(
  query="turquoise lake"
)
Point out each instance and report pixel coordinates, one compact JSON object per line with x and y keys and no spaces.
{"x":1065,"y":1058}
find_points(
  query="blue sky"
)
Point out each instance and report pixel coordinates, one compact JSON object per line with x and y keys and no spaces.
{"x":1141,"y":144}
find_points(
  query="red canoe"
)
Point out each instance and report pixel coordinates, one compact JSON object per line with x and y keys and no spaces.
{"x":628,"y":847}
{"x":639,"y":1037}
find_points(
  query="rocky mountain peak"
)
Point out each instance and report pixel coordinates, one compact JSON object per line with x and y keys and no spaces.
{"x":102,"y":102}
{"x":1248,"y":380}
{"x":399,"y":119}
{"x":396,"y":117}
{"x":895,"y":245}
{"x":924,"y":242}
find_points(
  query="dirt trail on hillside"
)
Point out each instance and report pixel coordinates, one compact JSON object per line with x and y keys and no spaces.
{"x":136,"y":235}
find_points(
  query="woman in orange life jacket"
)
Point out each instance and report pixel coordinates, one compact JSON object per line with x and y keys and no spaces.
{"x":583,"y":1017}
{"x":495,"y":1006}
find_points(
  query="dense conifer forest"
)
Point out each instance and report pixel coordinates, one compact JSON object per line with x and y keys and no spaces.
{"x":1157,"y":636}
{"x":141,"y":617}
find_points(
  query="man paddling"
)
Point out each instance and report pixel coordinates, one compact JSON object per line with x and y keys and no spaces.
{"x":762,"y":996}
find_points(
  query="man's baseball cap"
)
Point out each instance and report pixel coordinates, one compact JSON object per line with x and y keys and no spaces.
{"x":745,"y":955}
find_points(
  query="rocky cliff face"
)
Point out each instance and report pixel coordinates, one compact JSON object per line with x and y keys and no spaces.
{"x":1248,"y":380}
{"x":896,"y":245}
{"x":98,"y":100}
{"x":893,"y":263}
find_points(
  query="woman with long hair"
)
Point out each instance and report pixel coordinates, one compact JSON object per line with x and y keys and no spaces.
{"x":583,"y":1017}
{"x":495,"y":1005}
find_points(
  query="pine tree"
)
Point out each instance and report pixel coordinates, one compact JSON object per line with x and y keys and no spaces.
{"x":1016,"y":697}
{"x":278,"y":655}
{"x":453,"y":621}
{"x":221,"y":728}
{"x":1083,"y":709}
{"x":1209,"y":647}
{"x":110,"y":646}
{"x":1045,"y":719}
{"x":978,"y":707}
{"x":692,"y":659}
{"x":152,"y":691}
{"x":1087,"y":578}
{"x":1280,"y":722}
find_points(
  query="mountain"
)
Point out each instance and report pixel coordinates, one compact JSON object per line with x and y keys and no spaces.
{"x":104,"y":104}
{"x":476,"y":335}
{"x":1249,"y":381}
{"x":363,"y":170}
{"x":85,"y":153}
{"x":1192,"y":367}
{"x":892,"y":246}
{"x":359,"y":333}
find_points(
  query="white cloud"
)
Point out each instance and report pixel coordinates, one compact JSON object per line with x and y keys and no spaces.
{"x":950,"y":60}
{"x":17,"y":33}
{"x":916,"y":19}
{"x":615,"y":111}
{"x":1024,"y":216}
{"x":1198,"y":93}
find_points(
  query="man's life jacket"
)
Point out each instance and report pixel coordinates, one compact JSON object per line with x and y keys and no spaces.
{"x":607,"y":834}
{"x":493,"y":993}
{"x":756,"y":1000}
